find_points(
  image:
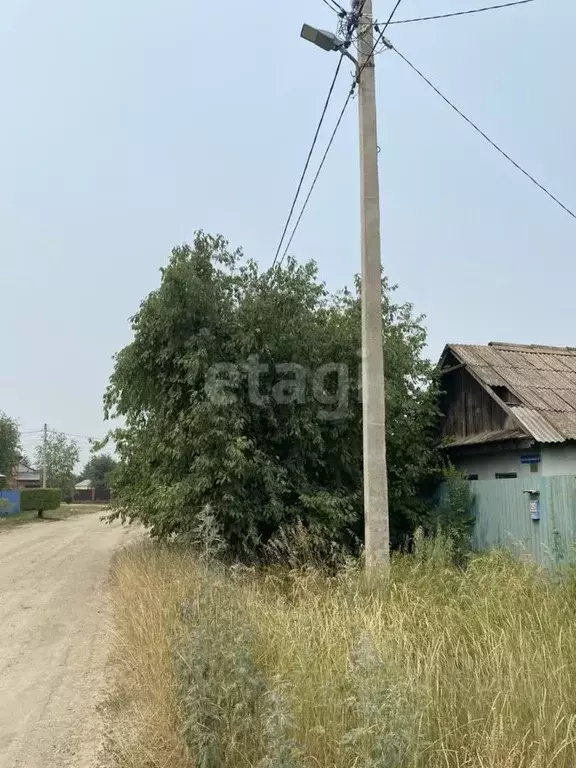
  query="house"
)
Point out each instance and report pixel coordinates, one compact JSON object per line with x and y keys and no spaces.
{"x":510,"y":425}
{"x":24,"y":476}
{"x":84,"y":491}
{"x":84,"y":485}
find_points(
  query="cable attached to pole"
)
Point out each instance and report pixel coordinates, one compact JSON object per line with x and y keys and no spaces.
{"x":462,"y":13}
{"x":303,"y":174}
{"x":318,"y":172}
{"x":484,"y":135}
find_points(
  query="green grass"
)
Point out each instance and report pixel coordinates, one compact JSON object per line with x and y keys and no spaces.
{"x":433,"y":667}
{"x":63,"y":513}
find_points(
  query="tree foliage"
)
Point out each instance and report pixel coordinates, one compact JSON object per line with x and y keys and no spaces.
{"x":454,"y":514}
{"x":61,"y":454}
{"x":98,"y":470}
{"x":240,"y":395}
{"x":9,"y":443}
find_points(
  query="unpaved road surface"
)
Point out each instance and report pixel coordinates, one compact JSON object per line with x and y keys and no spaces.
{"x":52,"y":640}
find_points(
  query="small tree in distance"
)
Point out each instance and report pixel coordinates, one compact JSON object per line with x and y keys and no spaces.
{"x":61,"y":454}
{"x":98,"y":471}
{"x":9,"y":442}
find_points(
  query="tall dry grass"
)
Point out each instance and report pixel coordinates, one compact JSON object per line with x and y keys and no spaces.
{"x":434,"y":666}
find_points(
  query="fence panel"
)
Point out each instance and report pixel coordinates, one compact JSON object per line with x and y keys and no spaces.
{"x":502,"y":509}
{"x":12,"y":503}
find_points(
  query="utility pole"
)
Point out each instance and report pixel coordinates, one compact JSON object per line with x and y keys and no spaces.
{"x":377,"y":535}
{"x":45,"y":456}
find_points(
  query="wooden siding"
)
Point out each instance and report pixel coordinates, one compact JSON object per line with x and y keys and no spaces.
{"x":468,"y":408}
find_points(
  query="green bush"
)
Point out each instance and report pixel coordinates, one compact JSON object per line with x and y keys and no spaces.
{"x":41,"y":499}
{"x":454,"y":515}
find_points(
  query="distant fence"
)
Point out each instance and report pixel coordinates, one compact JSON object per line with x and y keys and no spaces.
{"x":9,"y":503}
{"x":84,"y":497}
{"x":505,"y":510}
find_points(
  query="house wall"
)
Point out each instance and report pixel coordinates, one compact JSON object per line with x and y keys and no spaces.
{"x":468,"y":408}
{"x":558,"y":460}
{"x":487,"y":465}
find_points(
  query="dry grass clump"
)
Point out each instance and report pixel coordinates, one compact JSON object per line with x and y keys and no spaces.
{"x":431,"y":667}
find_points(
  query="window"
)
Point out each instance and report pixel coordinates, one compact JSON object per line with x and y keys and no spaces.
{"x":506,"y":475}
{"x":505,"y":395}
{"x":472,"y":477}
{"x":533,"y":468}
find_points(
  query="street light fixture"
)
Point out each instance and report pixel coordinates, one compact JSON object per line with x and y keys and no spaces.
{"x":328,"y":41}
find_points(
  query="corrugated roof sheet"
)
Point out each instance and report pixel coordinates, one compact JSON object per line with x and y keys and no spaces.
{"x":489,"y":437}
{"x":543,"y":379}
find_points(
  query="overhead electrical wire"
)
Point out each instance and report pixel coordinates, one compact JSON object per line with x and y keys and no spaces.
{"x":378,"y":40}
{"x":327,"y":150}
{"x":309,"y":157}
{"x":335,"y":7}
{"x":462,"y":13}
{"x":339,"y":121}
{"x":485,"y":136}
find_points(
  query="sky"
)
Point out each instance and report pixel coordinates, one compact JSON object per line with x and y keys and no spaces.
{"x":126,"y":126}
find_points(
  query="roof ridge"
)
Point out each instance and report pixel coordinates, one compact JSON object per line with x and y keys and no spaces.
{"x":531,"y":347}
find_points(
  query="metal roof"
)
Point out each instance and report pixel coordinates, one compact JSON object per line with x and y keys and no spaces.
{"x":542,"y":379}
{"x":498,"y":436}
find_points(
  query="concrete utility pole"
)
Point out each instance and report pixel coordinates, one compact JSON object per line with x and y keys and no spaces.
{"x":44,"y":456}
{"x":377,"y":535}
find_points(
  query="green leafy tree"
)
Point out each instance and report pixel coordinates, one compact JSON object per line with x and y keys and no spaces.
{"x":61,"y":454}
{"x":240,"y":395}
{"x":9,"y":442}
{"x":98,"y":470}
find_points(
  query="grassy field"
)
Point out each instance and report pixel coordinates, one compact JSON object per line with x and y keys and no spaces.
{"x":65,"y":511}
{"x":433,"y":667}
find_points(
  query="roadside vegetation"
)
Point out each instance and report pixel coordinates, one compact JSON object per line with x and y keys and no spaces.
{"x":239,"y":397}
{"x":436,"y":667}
{"x":247,"y":634}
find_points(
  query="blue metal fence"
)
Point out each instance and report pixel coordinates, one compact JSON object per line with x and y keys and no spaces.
{"x":9,"y":503}
{"x":505,"y":510}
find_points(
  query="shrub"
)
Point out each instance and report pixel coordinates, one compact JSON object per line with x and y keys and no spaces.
{"x":454,"y":516}
{"x":40,"y":499}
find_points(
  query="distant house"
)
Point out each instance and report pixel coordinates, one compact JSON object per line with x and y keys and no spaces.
{"x":510,"y":426}
{"x":84,"y":485}
{"x":84,"y":491}
{"x":24,"y":476}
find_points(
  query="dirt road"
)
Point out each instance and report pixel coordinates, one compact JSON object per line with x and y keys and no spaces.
{"x":52,"y":632}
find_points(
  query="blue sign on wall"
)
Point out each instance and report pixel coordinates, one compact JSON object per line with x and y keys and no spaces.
{"x":533,"y":458}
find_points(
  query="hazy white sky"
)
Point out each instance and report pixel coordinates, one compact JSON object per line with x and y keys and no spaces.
{"x":127,"y":124}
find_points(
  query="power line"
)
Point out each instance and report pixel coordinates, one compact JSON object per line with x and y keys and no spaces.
{"x":339,"y":121}
{"x":314,"y":141}
{"x":69,"y":434}
{"x":378,"y":40}
{"x":462,"y":13}
{"x":485,"y":136}
{"x":335,"y":7}
{"x":331,"y":141}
